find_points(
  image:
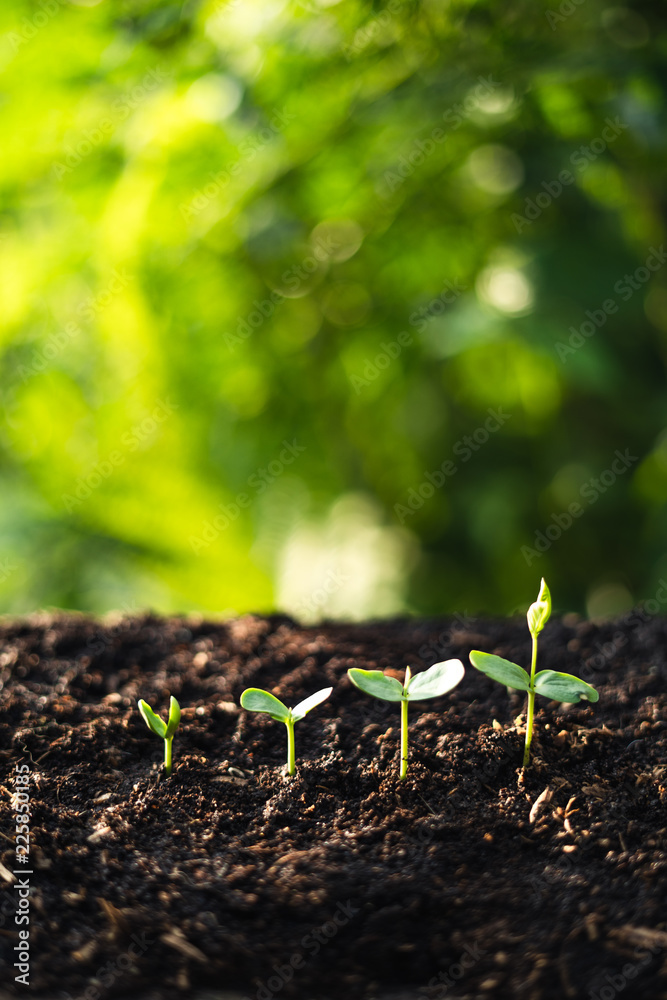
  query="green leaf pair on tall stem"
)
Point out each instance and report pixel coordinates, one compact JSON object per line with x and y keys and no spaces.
{"x":256,"y":700}
{"x":549,"y":683}
{"x":432,"y":683}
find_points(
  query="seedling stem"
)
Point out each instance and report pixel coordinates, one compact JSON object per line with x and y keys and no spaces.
{"x":291,"y":753}
{"x":404,"y":740}
{"x":404,"y":728}
{"x":531,"y":703}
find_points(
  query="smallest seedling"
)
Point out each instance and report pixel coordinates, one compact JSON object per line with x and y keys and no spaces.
{"x":165,"y":730}
{"x":256,"y":700}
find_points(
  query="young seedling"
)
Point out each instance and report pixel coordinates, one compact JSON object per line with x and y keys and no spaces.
{"x":436,"y":681}
{"x":256,"y":700}
{"x":164,"y":730}
{"x":549,"y":683}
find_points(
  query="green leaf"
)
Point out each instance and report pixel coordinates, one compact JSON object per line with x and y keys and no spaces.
{"x":437,"y":680}
{"x":174,"y":718}
{"x":377,"y":684}
{"x":563,"y":687}
{"x":256,"y":700}
{"x":539,"y":612}
{"x":305,"y":706}
{"x":153,"y":721}
{"x":503,"y":671}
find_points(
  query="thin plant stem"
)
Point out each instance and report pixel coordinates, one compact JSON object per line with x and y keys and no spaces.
{"x":531,"y":704}
{"x":167,"y":754}
{"x":404,"y":739}
{"x":291,"y":757}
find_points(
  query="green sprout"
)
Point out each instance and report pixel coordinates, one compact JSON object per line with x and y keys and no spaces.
{"x":164,"y":730}
{"x":256,"y":700}
{"x":549,"y":683}
{"x":436,"y":681}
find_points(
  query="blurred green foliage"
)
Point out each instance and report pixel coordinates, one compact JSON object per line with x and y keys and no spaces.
{"x":358,"y":229}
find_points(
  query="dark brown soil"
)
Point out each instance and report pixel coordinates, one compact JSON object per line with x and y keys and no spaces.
{"x":470,"y":879}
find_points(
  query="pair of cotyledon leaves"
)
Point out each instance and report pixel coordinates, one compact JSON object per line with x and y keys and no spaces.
{"x":436,"y":681}
{"x":256,"y":700}
{"x":549,"y":683}
{"x":165,"y":730}
{"x":431,"y":683}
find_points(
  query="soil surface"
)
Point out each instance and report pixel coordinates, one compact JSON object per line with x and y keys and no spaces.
{"x":470,"y":879}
